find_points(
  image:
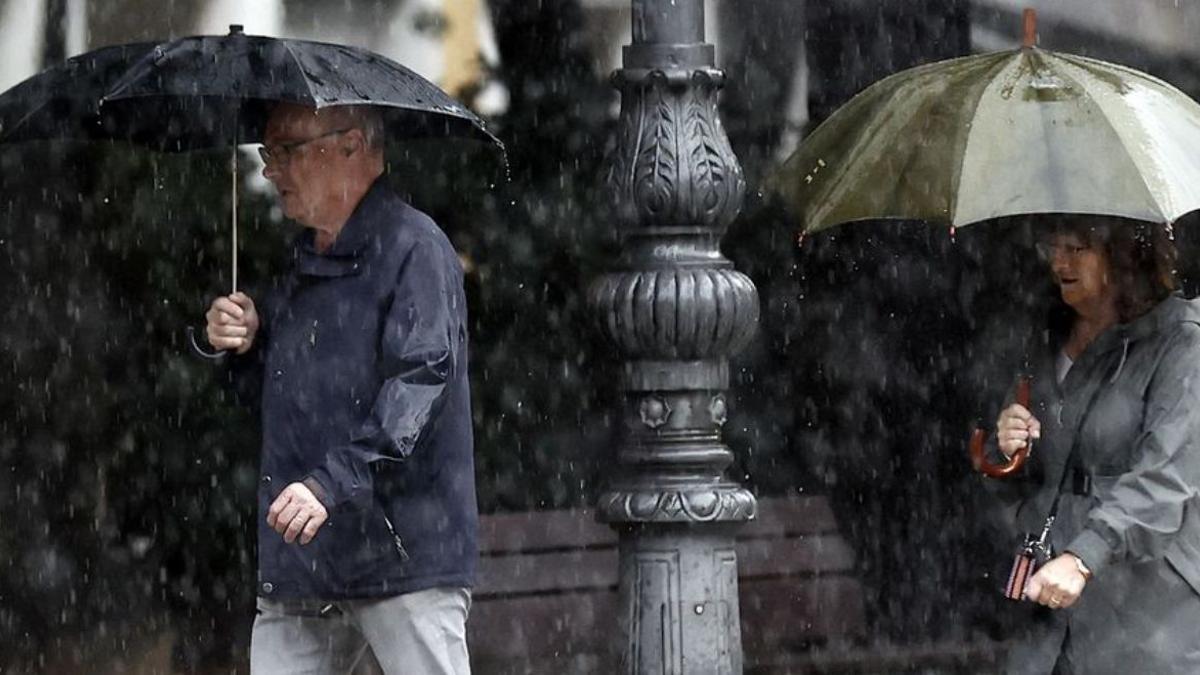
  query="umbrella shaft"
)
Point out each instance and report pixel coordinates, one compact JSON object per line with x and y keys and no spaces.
{"x":234,"y":224}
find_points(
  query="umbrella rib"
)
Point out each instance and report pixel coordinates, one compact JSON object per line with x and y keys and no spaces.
{"x":21,"y":122}
{"x":1116,"y":132}
{"x":312,"y":96}
{"x":1082,"y":61}
{"x":993,"y":71}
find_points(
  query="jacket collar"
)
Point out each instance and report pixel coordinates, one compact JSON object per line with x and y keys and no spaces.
{"x":1174,"y":309}
{"x":343,"y":257}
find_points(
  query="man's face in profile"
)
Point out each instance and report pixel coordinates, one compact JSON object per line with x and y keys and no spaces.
{"x":304,"y":160}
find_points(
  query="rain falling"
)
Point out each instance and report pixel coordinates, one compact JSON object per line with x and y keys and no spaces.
{"x":598,"y":336}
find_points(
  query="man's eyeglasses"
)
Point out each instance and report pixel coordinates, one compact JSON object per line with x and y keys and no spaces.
{"x":279,"y":154}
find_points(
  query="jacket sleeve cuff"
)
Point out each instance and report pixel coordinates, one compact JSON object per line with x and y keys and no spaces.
{"x":341,"y":481}
{"x":1092,"y":549}
{"x":319,"y":491}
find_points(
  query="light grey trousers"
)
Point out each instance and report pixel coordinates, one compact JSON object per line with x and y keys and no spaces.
{"x":421,"y":633}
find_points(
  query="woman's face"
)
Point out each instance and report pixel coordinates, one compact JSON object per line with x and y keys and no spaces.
{"x":1081,"y":271}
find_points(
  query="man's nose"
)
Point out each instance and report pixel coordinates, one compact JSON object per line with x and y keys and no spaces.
{"x":270,"y":171}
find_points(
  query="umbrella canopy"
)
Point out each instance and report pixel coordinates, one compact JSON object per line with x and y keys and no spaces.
{"x":210,"y":91}
{"x":63,"y":101}
{"x":177,"y":97}
{"x":1003,"y":134}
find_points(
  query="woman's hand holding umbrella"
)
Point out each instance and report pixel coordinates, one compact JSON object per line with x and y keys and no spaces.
{"x":1015,"y":428}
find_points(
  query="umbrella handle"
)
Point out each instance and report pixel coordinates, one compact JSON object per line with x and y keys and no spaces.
{"x":212,"y":356}
{"x":978,"y":455}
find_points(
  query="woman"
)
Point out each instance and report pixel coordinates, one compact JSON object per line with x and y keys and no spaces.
{"x":1117,"y":387}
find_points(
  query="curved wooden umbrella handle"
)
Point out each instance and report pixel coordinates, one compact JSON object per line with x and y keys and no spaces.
{"x":979,"y":438}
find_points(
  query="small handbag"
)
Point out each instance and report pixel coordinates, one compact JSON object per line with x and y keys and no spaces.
{"x":1035,"y":552}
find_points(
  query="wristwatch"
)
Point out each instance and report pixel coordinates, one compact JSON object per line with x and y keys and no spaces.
{"x":1083,"y":569}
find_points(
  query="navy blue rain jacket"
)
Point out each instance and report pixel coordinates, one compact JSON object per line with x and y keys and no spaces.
{"x":365,"y":397}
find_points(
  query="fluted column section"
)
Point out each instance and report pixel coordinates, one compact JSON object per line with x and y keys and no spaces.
{"x":675,"y":310}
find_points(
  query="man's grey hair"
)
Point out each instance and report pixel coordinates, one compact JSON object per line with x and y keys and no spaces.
{"x":365,"y":117}
{"x":370,"y":120}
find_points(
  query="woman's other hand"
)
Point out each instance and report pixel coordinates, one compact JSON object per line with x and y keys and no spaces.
{"x":1015,"y":428}
{"x":1057,"y":584}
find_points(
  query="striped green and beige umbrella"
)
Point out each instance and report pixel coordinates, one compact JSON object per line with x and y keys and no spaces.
{"x":1003,"y":134}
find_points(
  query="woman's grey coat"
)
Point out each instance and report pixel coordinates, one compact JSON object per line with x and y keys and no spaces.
{"x":1137,"y":525}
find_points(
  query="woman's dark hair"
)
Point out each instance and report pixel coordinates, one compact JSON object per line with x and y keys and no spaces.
{"x":1141,"y":257}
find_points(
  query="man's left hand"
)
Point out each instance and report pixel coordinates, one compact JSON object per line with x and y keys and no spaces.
{"x":297,"y":512}
{"x":1057,"y":584}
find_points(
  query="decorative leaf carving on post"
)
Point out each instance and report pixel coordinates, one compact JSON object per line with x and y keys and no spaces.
{"x":655,"y":166}
{"x":674,"y":166}
{"x":707,"y":153}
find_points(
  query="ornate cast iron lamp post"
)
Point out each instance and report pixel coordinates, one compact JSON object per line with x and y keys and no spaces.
{"x":676,"y":310}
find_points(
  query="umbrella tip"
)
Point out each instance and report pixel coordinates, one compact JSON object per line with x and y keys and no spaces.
{"x":1029,"y":17}
{"x":237,"y":29}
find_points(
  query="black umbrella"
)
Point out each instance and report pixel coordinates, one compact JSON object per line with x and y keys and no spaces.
{"x":178,"y":97}
{"x":217,"y":91}
{"x":63,"y":102}
{"x":208,"y":91}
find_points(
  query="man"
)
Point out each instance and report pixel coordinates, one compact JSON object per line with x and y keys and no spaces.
{"x":368,"y":531}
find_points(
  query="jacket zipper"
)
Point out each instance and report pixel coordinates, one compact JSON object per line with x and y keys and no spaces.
{"x":396,"y":538}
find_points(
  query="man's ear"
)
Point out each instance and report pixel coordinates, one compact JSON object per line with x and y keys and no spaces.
{"x":354,"y":141}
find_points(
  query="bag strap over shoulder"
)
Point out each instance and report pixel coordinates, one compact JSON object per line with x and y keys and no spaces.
{"x":1073,"y":456}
